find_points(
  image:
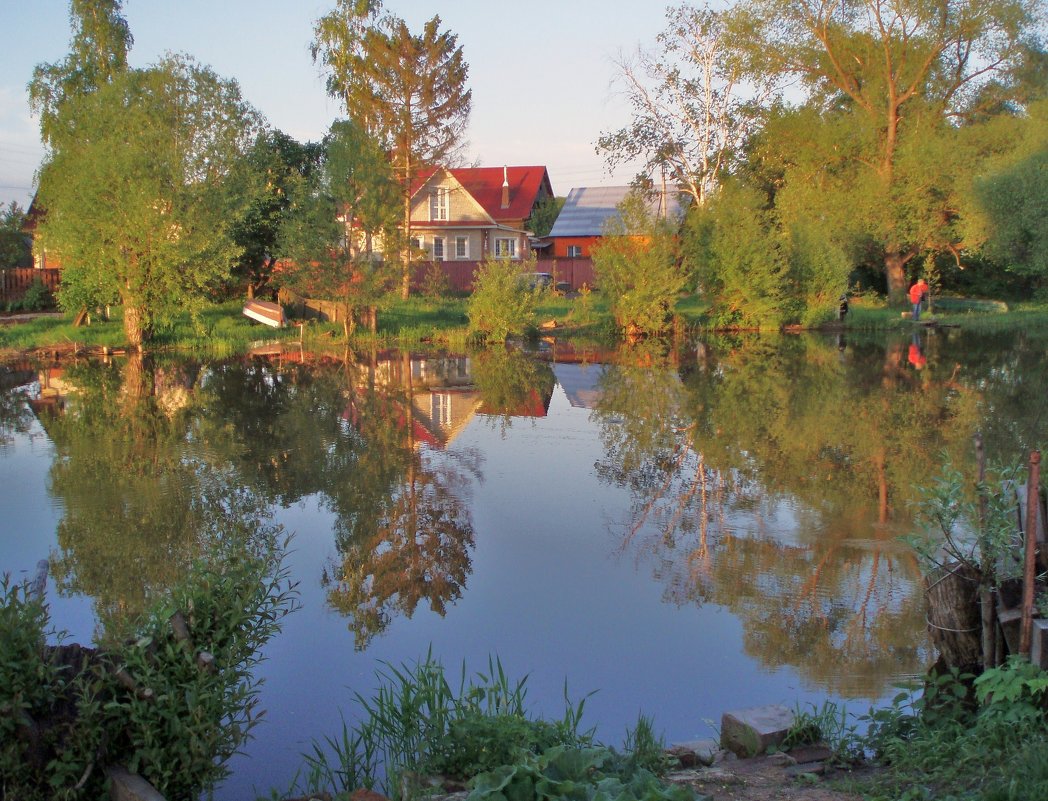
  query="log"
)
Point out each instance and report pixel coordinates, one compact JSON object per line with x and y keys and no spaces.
{"x":954,"y":614}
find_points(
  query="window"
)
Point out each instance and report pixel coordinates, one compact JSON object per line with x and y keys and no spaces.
{"x":438,"y":248}
{"x":441,"y":408}
{"x":438,"y":204}
{"x":574,"y":251}
{"x":461,"y":247}
{"x":505,"y":248}
{"x":416,"y":242}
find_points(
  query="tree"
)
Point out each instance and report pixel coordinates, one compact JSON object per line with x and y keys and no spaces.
{"x":279,"y":165}
{"x":501,"y":303}
{"x":331,"y":228}
{"x":14,"y":246}
{"x":544,"y":215}
{"x":406,"y":90}
{"x":688,"y":114}
{"x":900,"y":75}
{"x":101,"y":39}
{"x":638,"y":265}
{"x":141,"y":200}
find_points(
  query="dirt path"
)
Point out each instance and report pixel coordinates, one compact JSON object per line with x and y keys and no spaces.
{"x":774,"y":778}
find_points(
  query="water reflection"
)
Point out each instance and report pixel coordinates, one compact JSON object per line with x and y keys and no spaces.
{"x":769,"y":476}
{"x":754,"y":477}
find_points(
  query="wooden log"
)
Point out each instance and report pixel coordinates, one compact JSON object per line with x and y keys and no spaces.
{"x":127,"y":786}
{"x":1033,"y":495}
{"x":954,"y":614}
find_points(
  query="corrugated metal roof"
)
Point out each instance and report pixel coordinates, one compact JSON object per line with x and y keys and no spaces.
{"x":588,"y":208}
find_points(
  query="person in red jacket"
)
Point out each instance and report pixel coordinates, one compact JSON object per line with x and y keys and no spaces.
{"x":917,"y":294}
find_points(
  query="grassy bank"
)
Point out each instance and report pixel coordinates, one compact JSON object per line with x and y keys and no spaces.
{"x":222,"y":329}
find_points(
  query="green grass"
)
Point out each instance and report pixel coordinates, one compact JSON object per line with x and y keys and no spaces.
{"x":222,"y":329}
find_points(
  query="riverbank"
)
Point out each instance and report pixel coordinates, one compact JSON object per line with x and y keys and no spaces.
{"x":222,"y":329}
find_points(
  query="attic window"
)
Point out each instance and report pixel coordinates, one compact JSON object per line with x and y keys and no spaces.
{"x":438,"y":204}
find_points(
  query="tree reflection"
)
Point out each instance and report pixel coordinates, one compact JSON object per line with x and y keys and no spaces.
{"x":139,"y":505}
{"x":772,"y":479}
{"x":511,"y":384}
{"x":404,"y":529}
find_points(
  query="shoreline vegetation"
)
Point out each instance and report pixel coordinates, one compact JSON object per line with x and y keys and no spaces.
{"x":222,"y":330}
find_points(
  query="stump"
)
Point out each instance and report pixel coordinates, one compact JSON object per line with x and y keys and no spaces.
{"x":954,"y":615}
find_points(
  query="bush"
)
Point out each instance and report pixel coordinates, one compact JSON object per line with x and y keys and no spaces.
{"x":153,"y":703}
{"x":502,"y":303}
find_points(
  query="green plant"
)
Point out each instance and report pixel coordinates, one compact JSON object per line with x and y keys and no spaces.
{"x":826,"y":724}
{"x":417,"y":723}
{"x":578,"y":774}
{"x":173,"y":702}
{"x":1014,"y":692}
{"x":646,"y":750}
{"x":502,"y":303}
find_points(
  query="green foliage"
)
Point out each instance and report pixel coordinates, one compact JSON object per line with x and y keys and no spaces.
{"x":738,"y":262}
{"x":1014,"y":692}
{"x":1016,"y":201}
{"x":477,"y":743}
{"x":823,"y":724}
{"x":146,"y":702}
{"x":417,"y":721}
{"x":14,"y":244}
{"x":544,"y":215}
{"x":639,"y":267}
{"x":502,"y":303}
{"x":578,"y":774}
{"x":646,"y":750}
{"x":140,"y":203}
{"x":508,"y":380}
{"x":35,"y":298}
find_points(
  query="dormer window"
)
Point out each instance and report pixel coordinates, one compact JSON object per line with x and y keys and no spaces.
{"x":438,"y":204}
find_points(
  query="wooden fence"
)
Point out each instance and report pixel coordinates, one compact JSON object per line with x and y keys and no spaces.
{"x":459,"y":274}
{"x":14,"y":283}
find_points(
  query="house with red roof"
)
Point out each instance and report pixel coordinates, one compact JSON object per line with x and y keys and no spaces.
{"x":471,"y":213}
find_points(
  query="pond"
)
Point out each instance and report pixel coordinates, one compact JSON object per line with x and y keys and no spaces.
{"x":680,"y":531}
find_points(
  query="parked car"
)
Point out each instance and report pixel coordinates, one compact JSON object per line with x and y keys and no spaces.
{"x":538,"y":280}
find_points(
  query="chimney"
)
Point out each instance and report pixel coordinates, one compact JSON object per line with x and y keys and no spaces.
{"x":505,"y":187}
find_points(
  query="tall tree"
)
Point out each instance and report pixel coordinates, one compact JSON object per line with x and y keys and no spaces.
{"x":689,"y":113}
{"x":280,"y":166}
{"x":14,"y":247}
{"x":140,"y":201}
{"x":101,"y":39}
{"x":332,"y":225}
{"x":902,"y":73}
{"x":407,"y":90}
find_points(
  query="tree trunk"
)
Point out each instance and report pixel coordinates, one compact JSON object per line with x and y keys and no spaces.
{"x":954,"y":614}
{"x":134,"y":327}
{"x":895,"y":270}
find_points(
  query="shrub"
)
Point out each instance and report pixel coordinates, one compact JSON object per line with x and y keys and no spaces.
{"x":154,"y":703}
{"x":502,"y":303}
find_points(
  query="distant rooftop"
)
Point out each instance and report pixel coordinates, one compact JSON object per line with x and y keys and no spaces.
{"x":588,"y":208}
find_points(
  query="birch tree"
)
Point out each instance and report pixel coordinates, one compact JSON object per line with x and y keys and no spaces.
{"x":690,"y":109}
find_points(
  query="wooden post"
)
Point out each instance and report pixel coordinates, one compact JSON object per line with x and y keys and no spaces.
{"x":986,"y":580}
{"x":1033,"y":501}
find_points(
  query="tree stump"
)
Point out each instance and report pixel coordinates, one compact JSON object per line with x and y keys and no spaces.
{"x":954,"y":615}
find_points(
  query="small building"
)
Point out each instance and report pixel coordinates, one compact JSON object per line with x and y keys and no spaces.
{"x":586,"y":212}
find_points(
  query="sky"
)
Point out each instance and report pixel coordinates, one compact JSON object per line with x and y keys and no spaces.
{"x":542,"y":73}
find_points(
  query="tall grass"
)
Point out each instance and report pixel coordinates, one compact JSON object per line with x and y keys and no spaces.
{"x":409,"y":717}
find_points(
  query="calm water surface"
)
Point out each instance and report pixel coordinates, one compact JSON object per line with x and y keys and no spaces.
{"x":682,"y":531}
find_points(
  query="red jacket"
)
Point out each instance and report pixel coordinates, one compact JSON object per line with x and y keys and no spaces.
{"x":918,"y":291}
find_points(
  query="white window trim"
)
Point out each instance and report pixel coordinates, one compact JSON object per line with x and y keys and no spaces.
{"x":440,"y":204}
{"x":442,"y":242}
{"x":512,"y":240}
{"x":465,"y":250}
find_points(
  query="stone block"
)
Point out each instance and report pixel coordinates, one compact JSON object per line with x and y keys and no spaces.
{"x":694,"y":752}
{"x":127,"y":786}
{"x":749,"y":732}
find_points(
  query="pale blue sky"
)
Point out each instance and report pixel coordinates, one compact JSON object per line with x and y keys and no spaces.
{"x":541,"y":72}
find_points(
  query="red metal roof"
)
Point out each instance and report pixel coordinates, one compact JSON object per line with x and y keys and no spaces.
{"x":526,"y":186}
